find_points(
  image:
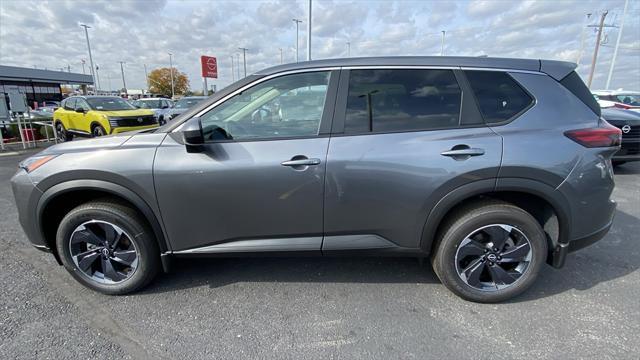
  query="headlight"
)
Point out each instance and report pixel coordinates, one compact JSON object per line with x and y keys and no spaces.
{"x":35,"y":162}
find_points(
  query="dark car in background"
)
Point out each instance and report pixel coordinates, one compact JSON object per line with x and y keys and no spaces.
{"x":629,"y":123}
{"x":435,"y":157}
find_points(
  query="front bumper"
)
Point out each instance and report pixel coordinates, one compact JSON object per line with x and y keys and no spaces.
{"x":27,"y":195}
{"x":118,"y":130}
{"x":629,"y":151}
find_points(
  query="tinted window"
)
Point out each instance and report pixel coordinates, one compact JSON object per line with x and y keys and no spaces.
{"x":70,"y":104}
{"x":286,"y":106}
{"x":81,"y":104}
{"x":402,"y":100}
{"x":577,"y":87}
{"x":499,"y":96}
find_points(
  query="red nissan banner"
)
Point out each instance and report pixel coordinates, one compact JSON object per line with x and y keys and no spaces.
{"x":209,"y":67}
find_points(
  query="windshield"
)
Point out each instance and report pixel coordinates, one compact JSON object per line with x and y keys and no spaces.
{"x":109,"y":103}
{"x":629,"y":99}
{"x":149,"y":104}
{"x":186,"y":103}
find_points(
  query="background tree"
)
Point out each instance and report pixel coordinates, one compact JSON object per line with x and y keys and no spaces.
{"x":160,"y":81}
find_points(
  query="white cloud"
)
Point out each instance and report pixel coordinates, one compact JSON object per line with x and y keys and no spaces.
{"x":47,"y":33}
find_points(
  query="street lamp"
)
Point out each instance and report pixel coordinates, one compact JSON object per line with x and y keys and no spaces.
{"x":124,"y":84}
{"x":281,"y":55}
{"x":244,"y":59}
{"x":86,"y":34}
{"x":171,"y":69}
{"x":297,"y":31}
{"x":348,"y":49}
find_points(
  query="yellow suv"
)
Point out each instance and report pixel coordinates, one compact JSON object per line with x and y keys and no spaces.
{"x":99,"y":115}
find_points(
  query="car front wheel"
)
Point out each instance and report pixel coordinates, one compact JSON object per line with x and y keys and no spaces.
{"x":108,"y":247}
{"x":490,"y":252}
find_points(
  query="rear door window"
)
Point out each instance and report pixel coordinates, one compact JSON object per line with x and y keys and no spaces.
{"x":499,"y":97}
{"x":395,"y":100}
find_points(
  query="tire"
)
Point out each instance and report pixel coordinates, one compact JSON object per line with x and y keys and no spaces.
{"x":467,"y":262}
{"x":62,"y":133}
{"x":98,"y":131}
{"x":134,"y":259}
{"x":161,"y":121}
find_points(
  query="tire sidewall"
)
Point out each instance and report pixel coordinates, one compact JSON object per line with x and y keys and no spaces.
{"x":475,"y":220}
{"x":141,"y":238}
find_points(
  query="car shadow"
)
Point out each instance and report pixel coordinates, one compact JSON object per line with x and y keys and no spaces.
{"x":613,"y":257}
{"x":604,"y":261}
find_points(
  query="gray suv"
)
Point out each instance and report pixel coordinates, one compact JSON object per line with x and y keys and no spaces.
{"x":491,"y":167}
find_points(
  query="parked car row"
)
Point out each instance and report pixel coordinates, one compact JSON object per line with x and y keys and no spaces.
{"x":628,"y":100}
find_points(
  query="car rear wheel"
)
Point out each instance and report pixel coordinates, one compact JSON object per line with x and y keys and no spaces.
{"x":490,"y":252}
{"x":98,"y":131}
{"x":108,"y":247}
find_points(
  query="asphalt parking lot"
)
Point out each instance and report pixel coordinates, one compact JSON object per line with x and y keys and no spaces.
{"x":309,"y":308}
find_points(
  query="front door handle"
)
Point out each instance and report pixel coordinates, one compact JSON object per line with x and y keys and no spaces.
{"x":301,"y":162}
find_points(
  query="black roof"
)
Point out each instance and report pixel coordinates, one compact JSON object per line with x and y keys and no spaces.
{"x":555,"y":69}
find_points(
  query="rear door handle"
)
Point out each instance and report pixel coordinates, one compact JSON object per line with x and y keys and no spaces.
{"x":463,"y":152}
{"x":301,"y":162}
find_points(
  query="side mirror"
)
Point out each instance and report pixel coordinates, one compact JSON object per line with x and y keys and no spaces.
{"x":192,"y":134}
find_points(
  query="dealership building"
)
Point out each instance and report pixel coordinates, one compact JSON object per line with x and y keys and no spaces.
{"x":37,"y":84}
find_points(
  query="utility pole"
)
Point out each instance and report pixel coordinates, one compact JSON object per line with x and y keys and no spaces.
{"x":348,"y":49}
{"x":86,"y":34}
{"x":173,"y":90}
{"x":244,"y":59}
{"x":595,"y":51}
{"x":615,"y":51}
{"x":442,"y":47}
{"x":309,"y":34}
{"x":297,"y":42}
{"x":124,"y":84}
{"x":146,"y":76}
{"x":233,"y":73}
{"x":281,"y":58}
{"x":582,"y":40}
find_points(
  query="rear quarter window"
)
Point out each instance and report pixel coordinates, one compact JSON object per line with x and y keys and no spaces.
{"x":573,"y":83}
{"x":499,"y":97}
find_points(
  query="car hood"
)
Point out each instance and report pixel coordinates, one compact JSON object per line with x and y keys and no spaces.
{"x":95,"y":144}
{"x":123,"y":113}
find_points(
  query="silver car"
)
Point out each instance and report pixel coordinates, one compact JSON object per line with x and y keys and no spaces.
{"x":490,"y":167}
{"x":161,"y":107}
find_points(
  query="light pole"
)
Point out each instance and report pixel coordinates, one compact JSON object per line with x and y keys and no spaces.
{"x":442,"y":47}
{"x":146,"y":76}
{"x":238,"y":65}
{"x":86,"y":34}
{"x":595,"y":51}
{"x":309,"y":34}
{"x":171,"y":72}
{"x":98,"y":79}
{"x":281,"y":58}
{"x":348,"y":49}
{"x":124,"y":84}
{"x":615,"y":51}
{"x":297,"y":42}
{"x":83,"y":61}
{"x":244,"y":59}
{"x":582,"y":38}
{"x":233,"y":73}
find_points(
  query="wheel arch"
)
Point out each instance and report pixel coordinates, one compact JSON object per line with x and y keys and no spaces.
{"x":542,"y":201}
{"x":59,"y":199}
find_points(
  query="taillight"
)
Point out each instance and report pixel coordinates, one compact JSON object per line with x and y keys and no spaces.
{"x":605,"y":135}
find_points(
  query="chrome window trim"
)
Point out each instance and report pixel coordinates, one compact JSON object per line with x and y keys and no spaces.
{"x":354,"y":67}
{"x":502,"y":70}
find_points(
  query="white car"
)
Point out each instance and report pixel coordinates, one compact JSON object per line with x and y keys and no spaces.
{"x":160,"y":107}
{"x":629,"y":100}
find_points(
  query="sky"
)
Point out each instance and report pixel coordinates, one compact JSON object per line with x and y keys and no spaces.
{"x":47,"y":34}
